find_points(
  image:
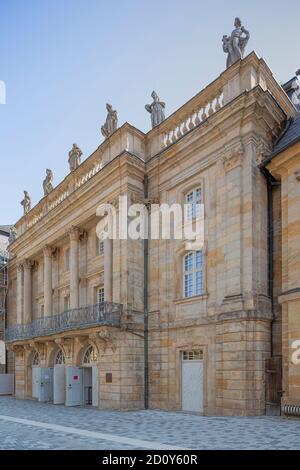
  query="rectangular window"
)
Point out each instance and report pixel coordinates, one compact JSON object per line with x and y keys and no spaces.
{"x":193,"y":274}
{"x":100,"y":295}
{"x":99,"y":247}
{"x":193,"y":201}
{"x":192,"y":355}
{"x":42,"y":310}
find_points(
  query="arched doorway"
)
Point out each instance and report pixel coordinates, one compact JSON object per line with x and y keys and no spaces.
{"x":59,"y":380}
{"x":36,"y":375}
{"x":90,"y":377}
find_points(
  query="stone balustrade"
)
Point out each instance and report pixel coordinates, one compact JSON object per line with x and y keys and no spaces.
{"x":193,"y":119}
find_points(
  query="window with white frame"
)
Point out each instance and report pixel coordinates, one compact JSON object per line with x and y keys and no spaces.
{"x":193,"y":201}
{"x":36,"y":359}
{"x":193,"y":274}
{"x":99,"y":247}
{"x":60,"y":358}
{"x":100,"y":295}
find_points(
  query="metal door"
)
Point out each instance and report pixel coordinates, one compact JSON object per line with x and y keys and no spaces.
{"x":95,"y":384}
{"x":273,"y":370}
{"x":192,"y":385}
{"x":59,"y":385}
{"x":36,"y":380}
{"x":74,"y":387}
{"x":46,"y":384}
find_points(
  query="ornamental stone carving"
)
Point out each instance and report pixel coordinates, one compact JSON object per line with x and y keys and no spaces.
{"x":74,"y":157}
{"x":235,"y":44}
{"x":156,"y":109}
{"x":47,"y":183}
{"x":111,"y":123}
{"x":12,"y":234}
{"x":233,"y":157}
{"x":74,"y":233}
{"x":262,"y":150}
{"x":26,"y":203}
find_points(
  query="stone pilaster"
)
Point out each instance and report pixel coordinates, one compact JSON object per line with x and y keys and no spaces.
{"x":19,"y":294}
{"x":27,"y":291}
{"x":108,"y":264}
{"x":74,"y":233}
{"x":47,"y":280}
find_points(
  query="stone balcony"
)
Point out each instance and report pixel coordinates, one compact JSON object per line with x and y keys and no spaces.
{"x":103,"y":314}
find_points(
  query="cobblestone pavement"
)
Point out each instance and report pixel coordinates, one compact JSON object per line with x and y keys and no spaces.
{"x":109,"y":430}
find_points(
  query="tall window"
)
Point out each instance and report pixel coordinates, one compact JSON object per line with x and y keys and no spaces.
{"x":99,"y":247}
{"x":193,"y":274}
{"x":100,"y":295}
{"x":193,"y":199}
{"x":66,"y":302}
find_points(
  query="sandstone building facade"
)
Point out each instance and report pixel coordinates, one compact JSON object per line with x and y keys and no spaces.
{"x":133,"y":323}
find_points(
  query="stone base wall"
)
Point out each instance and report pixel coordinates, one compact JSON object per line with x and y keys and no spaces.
{"x":234,"y":354}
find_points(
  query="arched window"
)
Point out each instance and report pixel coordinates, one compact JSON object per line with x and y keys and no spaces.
{"x":90,"y":356}
{"x":36,"y":359}
{"x":60,"y":358}
{"x":193,"y":201}
{"x":193,"y":274}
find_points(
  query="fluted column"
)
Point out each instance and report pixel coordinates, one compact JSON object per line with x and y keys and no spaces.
{"x":47,"y":280}
{"x":27,"y":291}
{"x":74,"y":269}
{"x":19,"y":293}
{"x":108,"y":265}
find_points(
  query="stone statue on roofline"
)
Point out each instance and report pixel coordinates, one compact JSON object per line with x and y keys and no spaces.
{"x":111,"y":123}
{"x":26,"y":203}
{"x":235,"y":44}
{"x":12,"y":234}
{"x":156,"y":109}
{"x":74,"y":157}
{"x":47,"y":183}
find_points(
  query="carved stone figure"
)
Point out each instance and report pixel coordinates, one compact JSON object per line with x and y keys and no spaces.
{"x":74,"y":157}
{"x":12,"y":234}
{"x":156,"y":109}
{"x":47,"y":183}
{"x":111,"y":123}
{"x":26,"y":203}
{"x":235,"y":44}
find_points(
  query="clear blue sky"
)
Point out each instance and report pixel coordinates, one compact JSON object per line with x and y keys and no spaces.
{"x":62,"y":60}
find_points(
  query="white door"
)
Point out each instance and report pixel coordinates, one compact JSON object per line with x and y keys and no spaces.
{"x":192,"y":382}
{"x":46,"y":384}
{"x":36,"y":380}
{"x":95,"y":385}
{"x":59,"y":388}
{"x":74,"y":387}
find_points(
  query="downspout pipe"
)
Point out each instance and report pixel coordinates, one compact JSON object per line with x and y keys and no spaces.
{"x":146,"y":309}
{"x":271,"y":183}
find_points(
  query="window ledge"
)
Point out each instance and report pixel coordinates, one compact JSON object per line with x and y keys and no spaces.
{"x":190,"y":300}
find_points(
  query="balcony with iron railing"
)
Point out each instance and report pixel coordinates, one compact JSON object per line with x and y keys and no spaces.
{"x":102,"y":314}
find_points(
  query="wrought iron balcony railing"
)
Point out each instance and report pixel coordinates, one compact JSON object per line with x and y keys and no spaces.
{"x":105,"y":313}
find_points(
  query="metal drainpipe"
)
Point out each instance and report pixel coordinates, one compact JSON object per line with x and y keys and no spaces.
{"x":146,"y":319}
{"x":271,"y":182}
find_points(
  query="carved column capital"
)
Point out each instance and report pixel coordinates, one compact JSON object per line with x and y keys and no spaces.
{"x":48,"y":250}
{"x":74,"y":233}
{"x":28,"y":264}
